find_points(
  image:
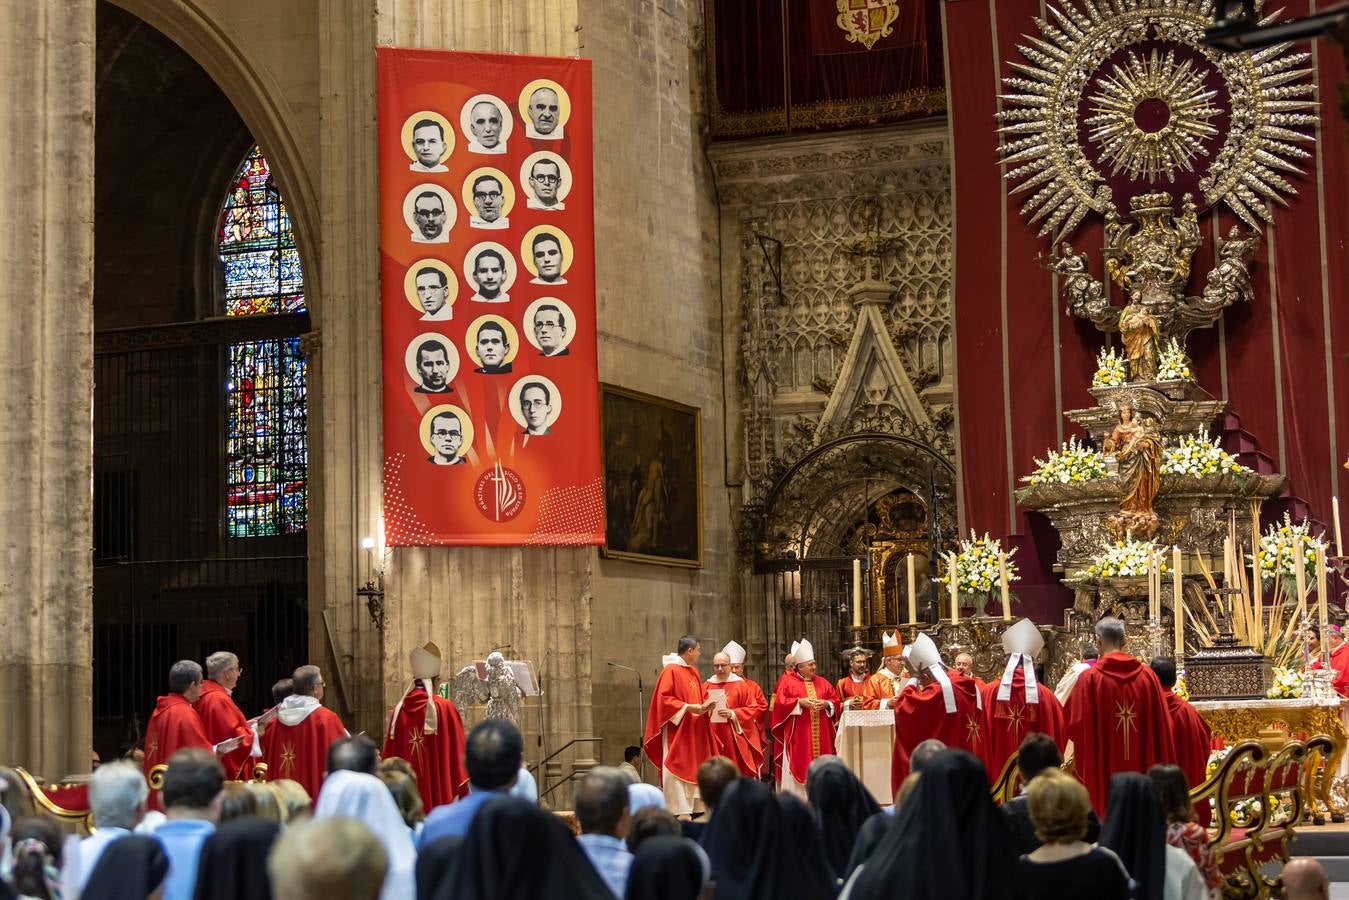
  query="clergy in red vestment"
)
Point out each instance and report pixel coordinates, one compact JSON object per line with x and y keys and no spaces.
{"x":736,"y":730}
{"x":426,"y":730}
{"x":852,"y":687}
{"x":173,"y":725}
{"x":295,"y":746}
{"x":1339,"y":658}
{"x":1192,"y":737}
{"x":221,"y":718}
{"x":964,"y":664}
{"x":883,"y":688}
{"x":804,"y":711}
{"x":946,"y":706}
{"x":788,"y":668}
{"x":1116,"y":716}
{"x":678,"y":732}
{"x":752,"y":690}
{"x":1018,"y":704}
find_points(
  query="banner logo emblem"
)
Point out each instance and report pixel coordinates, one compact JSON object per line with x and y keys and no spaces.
{"x":500,"y":493}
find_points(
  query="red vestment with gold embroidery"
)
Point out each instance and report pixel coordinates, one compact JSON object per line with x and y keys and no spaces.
{"x":436,"y":758}
{"x":810,"y":734}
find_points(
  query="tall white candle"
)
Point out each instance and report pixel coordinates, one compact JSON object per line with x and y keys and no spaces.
{"x":1178,"y":602}
{"x":1257,"y":590}
{"x":955,"y":590}
{"x":913,"y":594}
{"x":1152,"y":585}
{"x":1002,"y":577}
{"x":1322,"y":612}
{"x":1300,"y":570}
{"x":856,"y":593}
{"x":1335,"y":513}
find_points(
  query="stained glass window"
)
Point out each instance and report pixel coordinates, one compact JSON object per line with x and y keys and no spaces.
{"x":266,"y":449}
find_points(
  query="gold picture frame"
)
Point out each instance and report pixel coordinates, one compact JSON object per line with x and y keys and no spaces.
{"x":653,"y":478}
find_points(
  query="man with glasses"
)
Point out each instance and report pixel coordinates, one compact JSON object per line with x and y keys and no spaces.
{"x":428,"y":212}
{"x":484,"y":125}
{"x":447,"y":436}
{"x":543,"y":115}
{"x":296,"y":745}
{"x":550,"y":331}
{"x":487,"y":200}
{"x":221,"y":718}
{"x":536,"y":406}
{"x":545,"y":182}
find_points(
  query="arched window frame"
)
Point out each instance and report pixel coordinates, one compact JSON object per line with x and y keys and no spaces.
{"x":265,"y":398}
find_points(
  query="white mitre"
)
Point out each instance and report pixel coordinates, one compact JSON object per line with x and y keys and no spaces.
{"x":1022,"y":642}
{"x":803,"y":652}
{"x":923,"y":654}
{"x":735,"y":652}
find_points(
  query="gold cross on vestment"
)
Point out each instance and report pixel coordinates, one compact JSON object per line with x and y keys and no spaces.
{"x":152,"y":746}
{"x":1016,"y":716}
{"x":1124,"y":720}
{"x":287,"y":758}
{"x":416,"y":739}
{"x":972,"y":730}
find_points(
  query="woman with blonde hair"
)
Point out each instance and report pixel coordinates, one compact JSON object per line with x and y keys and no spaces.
{"x":1065,"y":865}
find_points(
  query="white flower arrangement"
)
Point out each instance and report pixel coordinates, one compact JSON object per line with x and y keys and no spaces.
{"x":1287,"y":684}
{"x":1276,"y":550}
{"x":1073,"y":461}
{"x":1126,"y":559}
{"x":1112,"y":369}
{"x":1173,"y":364}
{"x":1200,"y":455}
{"x":977,"y":566}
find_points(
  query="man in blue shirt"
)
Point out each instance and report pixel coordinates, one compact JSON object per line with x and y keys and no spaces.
{"x":602,"y":811}
{"x":192,"y":795}
{"x":493,"y":754}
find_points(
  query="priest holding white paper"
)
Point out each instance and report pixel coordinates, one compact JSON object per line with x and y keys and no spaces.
{"x":737,"y":715}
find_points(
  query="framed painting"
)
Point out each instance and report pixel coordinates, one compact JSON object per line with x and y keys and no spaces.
{"x":652,"y":478}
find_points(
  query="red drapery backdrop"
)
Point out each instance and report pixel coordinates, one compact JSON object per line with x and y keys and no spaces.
{"x":1021,"y":360}
{"x":825,"y":80}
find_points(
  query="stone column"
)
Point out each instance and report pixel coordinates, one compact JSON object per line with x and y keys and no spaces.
{"x":46,"y":384}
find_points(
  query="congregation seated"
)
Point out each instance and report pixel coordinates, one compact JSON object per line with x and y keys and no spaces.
{"x":1135,"y":828}
{"x":1037,"y":753}
{"x":946,"y":839}
{"x":1182,"y":827}
{"x":1064,"y":863}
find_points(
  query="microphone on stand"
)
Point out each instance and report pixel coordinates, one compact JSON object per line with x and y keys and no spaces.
{"x":501,"y":647}
{"x":641,"y":712}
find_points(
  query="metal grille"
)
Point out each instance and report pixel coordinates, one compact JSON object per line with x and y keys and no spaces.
{"x":170,"y":582}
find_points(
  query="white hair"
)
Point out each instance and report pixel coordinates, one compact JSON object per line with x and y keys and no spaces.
{"x":219,"y":663}
{"x":116,"y":792}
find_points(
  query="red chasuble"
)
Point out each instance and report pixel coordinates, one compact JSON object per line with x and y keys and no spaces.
{"x":437,"y":758}
{"x":1007,"y":722}
{"x":743,"y":745}
{"x":921,"y":714}
{"x":295,"y":745}
{"x":810,"y":734}
{"x":848,"y":689}
{"x":222,"y":720}
{"x":1118,"y":722}
{"x":1339,"y":661}
{"x":1193,"y":738}
{"x":173,"y":726}
{"x":677,"y":747}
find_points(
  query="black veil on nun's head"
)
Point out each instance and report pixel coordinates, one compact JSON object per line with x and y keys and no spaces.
{"x":805,"y":857}
{"x":1135,"y":828}
{"x":435,"y":861}
{"x":234,"y":860}
{"x":667,"y":868}
{"x":130,"y":868}
{"x":516,"y":851}
{"x":948,"y":840}
{"x":842,"y":804}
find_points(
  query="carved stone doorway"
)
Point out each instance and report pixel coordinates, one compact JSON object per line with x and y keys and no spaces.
{"x":869,"y":496}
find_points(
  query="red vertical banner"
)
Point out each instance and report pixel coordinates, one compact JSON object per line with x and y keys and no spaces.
{"x":487,"y":265}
